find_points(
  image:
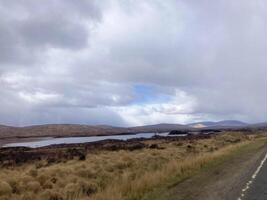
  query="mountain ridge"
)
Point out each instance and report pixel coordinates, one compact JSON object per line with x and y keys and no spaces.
{"x":70,"y":130}
{"x":223,"y":123}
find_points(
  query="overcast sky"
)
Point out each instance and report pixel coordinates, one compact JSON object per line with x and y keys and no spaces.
{"x":132,"y":62}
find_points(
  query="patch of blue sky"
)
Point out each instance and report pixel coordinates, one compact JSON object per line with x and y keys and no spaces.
{"x":148,"y":94}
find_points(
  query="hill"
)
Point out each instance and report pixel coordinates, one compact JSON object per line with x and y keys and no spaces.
{"x":67,"y":130}
{"x":58,"y":130}
{"x":158,"y":128}
{"x":219,"y":124}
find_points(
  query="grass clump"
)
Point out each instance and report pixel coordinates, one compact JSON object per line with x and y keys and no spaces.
{"x":116,"y":175}
{"x":5,"y":189}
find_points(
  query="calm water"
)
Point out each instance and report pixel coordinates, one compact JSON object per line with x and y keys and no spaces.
{"x":75,"y":140}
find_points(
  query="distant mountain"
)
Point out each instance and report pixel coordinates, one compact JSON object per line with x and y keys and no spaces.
{"x":201,"y":124}
{"x":258,"y":125}
{"x":158,"y":128}
{"x":4,"y":126}
{"x":67,"y":130}
{"x":225,"y":123}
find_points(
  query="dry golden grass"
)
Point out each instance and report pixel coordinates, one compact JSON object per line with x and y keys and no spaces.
{"x":107,"y":175}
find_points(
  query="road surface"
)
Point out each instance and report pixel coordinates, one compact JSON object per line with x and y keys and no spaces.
{"x":258,"y":188}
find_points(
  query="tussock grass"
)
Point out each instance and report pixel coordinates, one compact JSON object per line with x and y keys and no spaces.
{"x":5,"y":189}
{"x":119,"y":175}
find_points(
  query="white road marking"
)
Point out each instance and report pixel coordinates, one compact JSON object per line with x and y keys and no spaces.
{"x":252,"y":178}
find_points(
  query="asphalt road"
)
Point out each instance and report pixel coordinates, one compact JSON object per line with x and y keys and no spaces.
{"x":258,"y":188}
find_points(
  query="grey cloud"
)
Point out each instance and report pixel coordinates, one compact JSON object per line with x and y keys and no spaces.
{"x":87,"y":56}
{"x":57,"y":33}
{"x":29,"y":28}
{"x":218,"y":54}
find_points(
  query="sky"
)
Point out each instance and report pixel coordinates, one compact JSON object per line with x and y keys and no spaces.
{"x":132,"y":62}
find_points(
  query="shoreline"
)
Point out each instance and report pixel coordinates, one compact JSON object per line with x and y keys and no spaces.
{"x":18,"y":155}
{"x":4,"y":142}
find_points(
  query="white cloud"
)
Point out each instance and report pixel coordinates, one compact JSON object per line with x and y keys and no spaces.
{"x":87,"y":57}
{"x":39,"y":97}
{"x":177,"y":110}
